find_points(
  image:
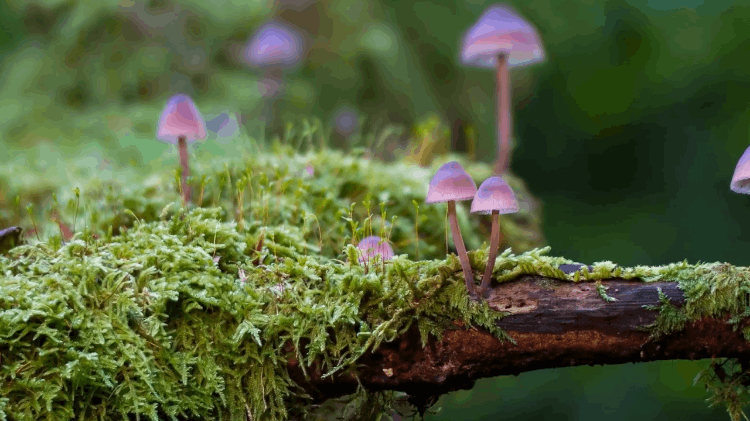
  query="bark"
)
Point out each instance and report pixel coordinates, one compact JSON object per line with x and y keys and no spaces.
{"x":554,"y":324}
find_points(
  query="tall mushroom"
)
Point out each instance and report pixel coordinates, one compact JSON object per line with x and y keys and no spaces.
{"x":452,"y":183}
{"x":501,"y":38}
{"x":741,"y":179}
{"x":181,"y":123}
{"x":494,"y":197}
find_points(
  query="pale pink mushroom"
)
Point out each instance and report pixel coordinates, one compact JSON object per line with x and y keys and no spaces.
{"x":275,"y":46}
{"x":501,"y":38}
{"x":181,"y":123}
{"x":452,"y":183}
{"x":493,"y":197}
{"x":373,"y":246}
{"x":741,"y":179}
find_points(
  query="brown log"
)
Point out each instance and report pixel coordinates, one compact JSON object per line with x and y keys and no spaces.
{"x":554,"y":324}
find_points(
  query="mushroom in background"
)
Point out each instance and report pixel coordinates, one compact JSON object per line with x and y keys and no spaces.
{"x":741,"y":178}
{"x":452,"y":183}
{"x":493,"y":197}
{"x":345,"y":121}
{"x":501,"y":38}
{"x":274,"y":48}
{"x":225,"y":126}
{"x":181,"y":123}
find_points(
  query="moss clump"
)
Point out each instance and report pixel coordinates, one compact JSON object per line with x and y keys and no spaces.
{"x":172,"y":319}
{"x":164,"y":312}
{"x":271,"y":189}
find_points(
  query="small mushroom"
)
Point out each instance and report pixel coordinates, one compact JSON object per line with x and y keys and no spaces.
{"x":452,"y":183}
{"x":345,"y":121}
{"x":741,"y":179}
{"x":374,"y":246}
{"x":181,"y":123}
{"x":493,"y":197}
{"x":274,"y":47}
{"x":499,"y":39}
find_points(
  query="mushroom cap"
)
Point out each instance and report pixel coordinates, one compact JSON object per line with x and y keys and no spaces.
{"x":275,"y":44}
{"x":345,"y":121}
{"x":741,"y":179}
{"x":180,"y":118}
{"x":501,"y":30}
{"x":494,"y":195}
{"x":450,"y":182}
{"x":372,"y":246}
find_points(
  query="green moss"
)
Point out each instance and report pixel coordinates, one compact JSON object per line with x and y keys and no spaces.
{"x":602,"y":291}
{"x":169,"y":312}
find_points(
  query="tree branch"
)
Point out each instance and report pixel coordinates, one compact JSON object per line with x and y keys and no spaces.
{"x":553,"y":323}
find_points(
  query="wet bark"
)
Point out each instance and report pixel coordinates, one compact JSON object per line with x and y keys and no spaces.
{"x":553,"y":323}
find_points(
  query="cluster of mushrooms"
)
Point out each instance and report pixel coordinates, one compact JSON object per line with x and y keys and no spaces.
{"x":450,"y":184}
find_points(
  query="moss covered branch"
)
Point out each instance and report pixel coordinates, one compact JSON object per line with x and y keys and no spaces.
{"x":553,"y":323}
{"x":261,"y":310}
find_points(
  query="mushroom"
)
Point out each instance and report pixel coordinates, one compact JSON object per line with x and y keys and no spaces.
{"x":741,"y":178}
{"x":346,"y":121}
{"x":501,"y":38}
{"x":181,"y":123}
{"x":493,"y":197}
{"x":274,"y":47}
{"x":452,"y":183}
{"x":374,"y":246}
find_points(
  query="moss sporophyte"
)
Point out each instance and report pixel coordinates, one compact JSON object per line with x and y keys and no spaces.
{"x":167,"y":311}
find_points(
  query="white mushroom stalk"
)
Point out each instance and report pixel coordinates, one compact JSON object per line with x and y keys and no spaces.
{"x":493,"y":197}
{"x":452,"y":183}
{"x":181,"y":123}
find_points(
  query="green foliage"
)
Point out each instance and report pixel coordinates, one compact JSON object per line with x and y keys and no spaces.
{"x":172,"y":318}
{"x":727,"y":380}
{"x":602,"y":291}
{"x":161,"y":311}
{"x":275,"y":192}
{"x":159,"y":322}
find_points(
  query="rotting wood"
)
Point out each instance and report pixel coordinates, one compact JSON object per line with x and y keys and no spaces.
{"x":554,"y":324}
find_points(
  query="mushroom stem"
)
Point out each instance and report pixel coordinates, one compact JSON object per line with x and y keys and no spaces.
{"x":503,"y":114}
{"x":463,"y":257}
{"x":494,"y":243}
{"x":182,"y":145}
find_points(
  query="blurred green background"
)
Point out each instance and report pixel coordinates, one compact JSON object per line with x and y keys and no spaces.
{"x":628,"y":133}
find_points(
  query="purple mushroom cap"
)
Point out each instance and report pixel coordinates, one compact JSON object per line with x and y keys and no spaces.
{"x":501,"y":30}
{"x":373,"y":246}
{"x":346,"y":121}
{"x":180,"y":118}
{"x":494,"y":195}
{"x":741,"y":179}
{"x":275,"y":44}
{"x":451,"y":182}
